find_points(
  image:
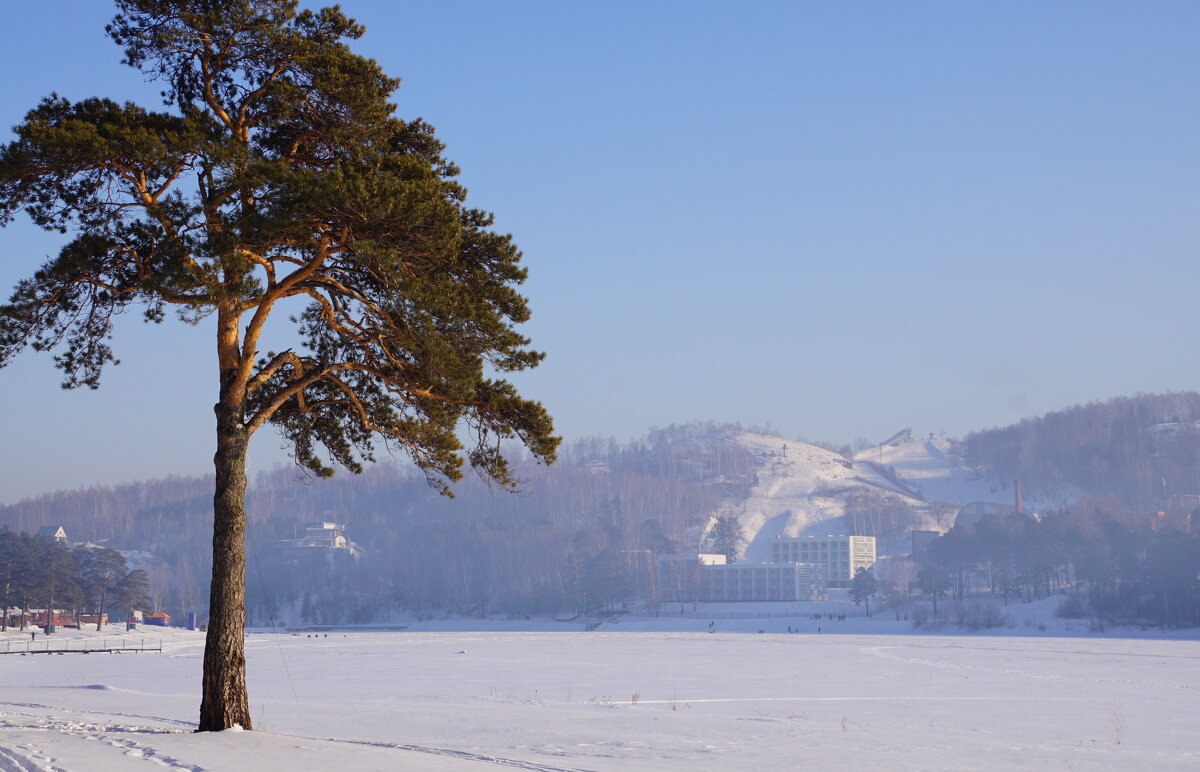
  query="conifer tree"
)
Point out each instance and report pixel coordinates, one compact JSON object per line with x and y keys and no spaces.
{"x":863,"y":587}
{"x":277,"y":175}
{"x":16,"y":573}
{"x":56,"y":577}
{"x":133,"y":591}
{"x":728,"y":537}
{"x":103,"y":569}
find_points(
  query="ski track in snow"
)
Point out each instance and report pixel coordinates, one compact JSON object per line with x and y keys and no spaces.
{"x":11,"y":761}
{"x":106,"y":733}
{"x":110,"y":734}
{"x":465,"y":755}
{"x":885,"y":652}
{"x":186,"y":725}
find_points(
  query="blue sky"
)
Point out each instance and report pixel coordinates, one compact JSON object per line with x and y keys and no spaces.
{"x":836,"y":218}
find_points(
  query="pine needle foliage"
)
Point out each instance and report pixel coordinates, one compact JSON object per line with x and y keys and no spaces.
{"x":281,"y":172}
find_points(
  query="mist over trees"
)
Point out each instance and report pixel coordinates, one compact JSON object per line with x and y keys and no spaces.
{"x":577,"y":538}
{"x":1140,"y":449}
{"x":1115,"y":564}
{"x":580,"y":538}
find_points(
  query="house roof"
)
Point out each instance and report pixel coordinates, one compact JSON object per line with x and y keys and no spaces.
{"x":49,"y":530}
{"x":159,"y":615}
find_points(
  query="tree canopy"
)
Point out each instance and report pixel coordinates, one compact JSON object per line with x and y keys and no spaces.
{"x":281,"y":172}
{"x":727,"y":537}
{"x":277,"y":178}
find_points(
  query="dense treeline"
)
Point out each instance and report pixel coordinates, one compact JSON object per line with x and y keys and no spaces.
{"x":39,"y":572}
{"x":580,"y":535}
{"x":1142,"y":449}
{"x":1124,"y":567}
{"x":575,"y":537}
{"x":578,"y":539}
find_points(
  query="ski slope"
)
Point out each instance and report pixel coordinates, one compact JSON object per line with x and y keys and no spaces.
{"x":800,"y":489}
{"x":929,"y":466}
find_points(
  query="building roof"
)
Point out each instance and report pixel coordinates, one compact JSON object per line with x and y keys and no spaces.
{"x":159,"y":615}
{"x":971,"y":514}
{"x":50,"y":530}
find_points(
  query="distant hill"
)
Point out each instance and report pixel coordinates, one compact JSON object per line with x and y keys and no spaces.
{"x":802,"y":489}
{"x":886,"y":491}
{"x":482,"y":552}
{"x":581,"y":533}
{"x":1141,"y":450}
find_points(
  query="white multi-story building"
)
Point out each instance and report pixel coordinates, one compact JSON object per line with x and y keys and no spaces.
{"x":763,"y":581}
{"x":324,"y":535}
{"x":837,"y":557}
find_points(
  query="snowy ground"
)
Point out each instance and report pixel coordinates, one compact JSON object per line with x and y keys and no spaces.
{"x":558,"y":699}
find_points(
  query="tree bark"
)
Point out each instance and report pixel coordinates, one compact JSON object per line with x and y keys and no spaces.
{"x":225,"y":701}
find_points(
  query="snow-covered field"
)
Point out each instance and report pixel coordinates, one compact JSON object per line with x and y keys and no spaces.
{"x":549,"y":699}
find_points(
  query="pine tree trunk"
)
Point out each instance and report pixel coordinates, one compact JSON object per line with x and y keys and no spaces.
{"x":225,"y":701}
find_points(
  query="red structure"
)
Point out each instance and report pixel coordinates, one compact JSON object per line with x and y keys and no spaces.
{"x":58,"y":617}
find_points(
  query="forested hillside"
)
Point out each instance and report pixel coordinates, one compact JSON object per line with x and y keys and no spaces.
{"x":580,"y":535}
{"x":1140,"y":449}
{"x":574,"y":537}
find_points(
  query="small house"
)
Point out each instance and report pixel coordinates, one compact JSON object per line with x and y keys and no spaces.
{"x":158,"y":618}
{"x":56,"y":532}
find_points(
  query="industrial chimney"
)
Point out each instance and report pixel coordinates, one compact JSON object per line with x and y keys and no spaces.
{"x":1017,"y":495}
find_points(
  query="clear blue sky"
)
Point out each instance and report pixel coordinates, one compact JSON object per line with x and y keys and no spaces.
{"x":837,"y":218}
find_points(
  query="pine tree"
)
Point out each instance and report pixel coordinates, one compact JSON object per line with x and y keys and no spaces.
{"x":16,"y":571}
{"x":727,"y":537}
{"x":933,"y":579}
{"x":103,"y":569}
{"x":133,"y":591}
{"x":277,"y":174}
{"x":863,"y":586}
{"x":56,"y":577}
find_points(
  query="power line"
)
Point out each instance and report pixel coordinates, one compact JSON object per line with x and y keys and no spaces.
{"x":270,"y":613}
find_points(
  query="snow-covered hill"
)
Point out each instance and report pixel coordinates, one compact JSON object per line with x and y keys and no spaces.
{"x":930,"y":467}
{"x":802,"y":489}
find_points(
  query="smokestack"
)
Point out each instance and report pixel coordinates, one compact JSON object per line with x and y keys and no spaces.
{"x":1017,"y":494}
